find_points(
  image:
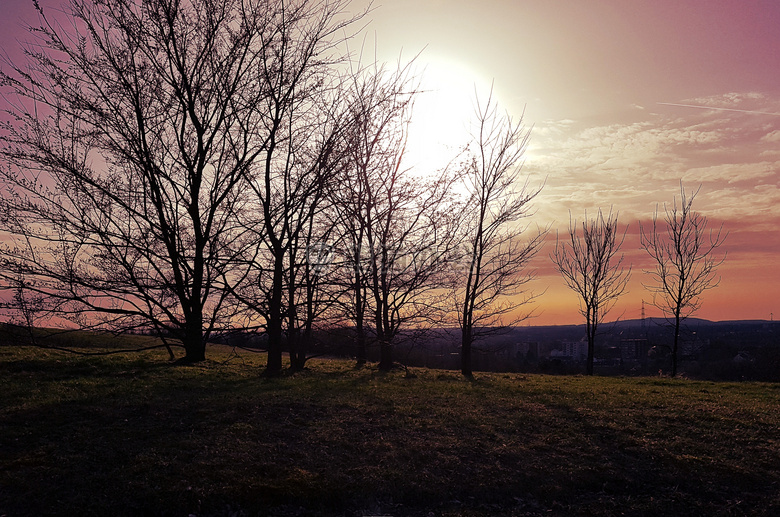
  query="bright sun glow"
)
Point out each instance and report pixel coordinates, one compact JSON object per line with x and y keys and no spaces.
{"x":442,"y":113}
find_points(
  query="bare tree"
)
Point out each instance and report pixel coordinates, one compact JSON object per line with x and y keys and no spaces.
{"x":489,"y":288}
{"x":683,"y":252}
{"x":311,"y":292}
{"x":353,"y":277}
{"x":134,"y":126}
{"x":304,"y":151}
{"x":378,"y":102}
{"x":309,"y":271}
{"x":591,"y":267}
{"x":401,"y":227}
{"x":410,"y":235}
{"x":289,"y":194}
{"x":352,"y":267}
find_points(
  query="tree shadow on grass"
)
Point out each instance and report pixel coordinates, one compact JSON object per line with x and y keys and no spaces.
{"x":210,"y":442}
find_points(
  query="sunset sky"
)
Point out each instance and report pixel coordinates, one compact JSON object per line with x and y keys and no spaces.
{"x":625,"y":99}
{"x":597,"y":81}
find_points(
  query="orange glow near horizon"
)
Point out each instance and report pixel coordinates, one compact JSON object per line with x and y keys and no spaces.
{"x":745,"y":291}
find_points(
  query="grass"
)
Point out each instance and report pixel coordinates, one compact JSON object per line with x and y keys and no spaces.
{"x":131,"y":434}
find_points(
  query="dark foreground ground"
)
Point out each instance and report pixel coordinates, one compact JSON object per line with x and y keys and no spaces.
{"x":135,"y":435}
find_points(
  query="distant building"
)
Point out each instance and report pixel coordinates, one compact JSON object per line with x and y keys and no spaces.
{"x":634,"y":350}
{"x":576,"y":350}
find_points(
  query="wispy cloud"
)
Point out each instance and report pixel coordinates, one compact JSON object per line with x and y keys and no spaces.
{"x":635,"y":165}
{"x":754,"y":103}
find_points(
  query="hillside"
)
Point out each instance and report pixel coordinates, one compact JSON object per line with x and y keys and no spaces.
{"x":133,"y":435}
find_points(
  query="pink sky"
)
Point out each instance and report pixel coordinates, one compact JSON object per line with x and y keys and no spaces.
{"x":591,"y":77}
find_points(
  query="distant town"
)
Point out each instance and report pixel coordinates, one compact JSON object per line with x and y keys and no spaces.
{"x":728,"y":350}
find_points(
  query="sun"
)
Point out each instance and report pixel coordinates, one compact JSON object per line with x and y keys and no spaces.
{"x":443,"y":113}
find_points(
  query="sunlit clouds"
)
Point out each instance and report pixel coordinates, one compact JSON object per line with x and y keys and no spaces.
{"x":641,"y":162}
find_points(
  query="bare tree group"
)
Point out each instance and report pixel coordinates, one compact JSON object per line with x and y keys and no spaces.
{"x":188,"y":167}
{"x":174,"y":166}
{"x":681,"y":249}
{"x":164,"y":153}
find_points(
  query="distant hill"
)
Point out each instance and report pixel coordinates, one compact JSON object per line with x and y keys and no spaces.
{"x":663,"y":321}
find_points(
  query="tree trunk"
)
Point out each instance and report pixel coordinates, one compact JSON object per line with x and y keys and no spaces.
{"x":465,"y":353}
{"x":297,"y":360}
{"x":385,"y":355}
{"x":360,"y":331}
{"x":676,"y":341}
{"x":274,"y":364}
{"x":194,"y":346}
{"x":591,"y":331}
{"x":591,"y":347}
{"x":360,"y":341}
{"x":298,"y":345}
{"x":384,"y":336}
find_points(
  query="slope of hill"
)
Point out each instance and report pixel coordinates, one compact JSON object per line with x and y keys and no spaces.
{"x":130,"y":434}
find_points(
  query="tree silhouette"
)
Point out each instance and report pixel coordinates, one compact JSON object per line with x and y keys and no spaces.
{"x":137,"y":130}
{"x":591,"y":267}
{"x":401,"y":227}
{"x":487,"y":286}
{"x":378,"y":106}
{"x":683,"y":252}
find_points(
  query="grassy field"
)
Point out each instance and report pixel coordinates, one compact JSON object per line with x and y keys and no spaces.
{"x":132,"y":434}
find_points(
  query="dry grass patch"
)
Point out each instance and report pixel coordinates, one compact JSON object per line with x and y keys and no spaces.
{"x":131,"y":434}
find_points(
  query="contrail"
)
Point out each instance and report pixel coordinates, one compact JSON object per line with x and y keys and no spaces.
{"x":719,"y":109}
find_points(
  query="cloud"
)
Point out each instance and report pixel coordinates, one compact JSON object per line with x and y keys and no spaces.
{"x":773,"y":136}
{"x":730,"y":100}
{"x":634,"y":166}
{"x":755,"y":173}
